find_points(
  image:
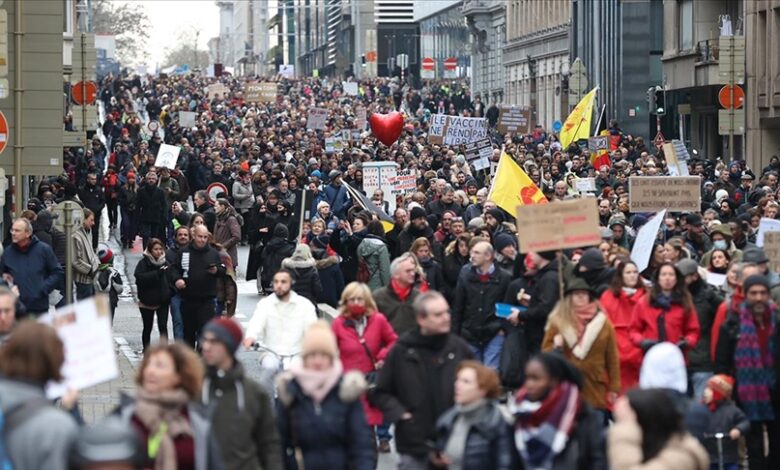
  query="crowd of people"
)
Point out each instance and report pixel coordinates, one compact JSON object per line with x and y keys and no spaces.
{"x":680,"y":357}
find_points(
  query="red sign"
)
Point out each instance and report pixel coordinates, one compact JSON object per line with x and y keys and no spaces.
{"x":659,"y":139}
{"x":731,"y":96}
{"x":451,"y":63}
{"x":428,"y":63}
{"x":78,"y":93}
{"x":371,"y":56}
{"x":3,"y":132}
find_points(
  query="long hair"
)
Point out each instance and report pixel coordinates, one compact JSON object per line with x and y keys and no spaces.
{"x":356,"y":289}
{"x":616,"y":285}
{"x":563,"y":316}
{"x":680,"y":292}
{"x":658,"y":418}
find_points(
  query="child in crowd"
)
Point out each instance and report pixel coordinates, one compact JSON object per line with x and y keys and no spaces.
{"x":725,"y":419}
{"x":108,"y":279}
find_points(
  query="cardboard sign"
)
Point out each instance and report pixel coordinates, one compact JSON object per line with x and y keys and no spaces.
{"x":318,"y":118}
{"x":456,"y":130}
{"x":643,"y":245}
{"x":598,"y":143}
{"x":167,"y":156}
{"x":361,"y":117}
{"x":403,"y":182}
{"x":85,"y":331}
{"x":654,"y":193}
{"x":557,"y":226}
{"x":187,"y":118}
{"x":676,"y":156}
{"x":513,"y":119}
{"x":772,"y":250}
{"x":766,"y":225}
{"x":217,"y":89}
{"x":350,"y":88}
{"x":260,"y":92}
{"x":585,"y":185}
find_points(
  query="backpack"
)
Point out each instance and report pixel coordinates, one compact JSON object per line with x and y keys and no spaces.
{"x":363,"y":273}
{"x":103,"y":280}
{"x":10,"y":420}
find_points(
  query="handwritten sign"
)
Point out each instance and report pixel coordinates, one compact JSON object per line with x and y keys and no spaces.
{"x":456,"y":130}
{"x":557,"y":226}
{"x":318,"y":118}
{"x":513,"y":119}
{"x":675,"y":193}
{"x":260,"y":92}
{"x":766,"y":225}
{"x":403,"y":182}
{"x":187,"y":118}
{"x":772,"y":250}
{"x":585,"y":185}
{"x":217,"y":89}
{"x":350,"y":88}
{"x":360,"y":117}
{"x":167,"y":156}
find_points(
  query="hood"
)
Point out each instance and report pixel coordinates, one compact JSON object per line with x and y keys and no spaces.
{"x":301,"y":265}
{"x":44,"y":221}
{"x":15,"y":392}
{"x":370,"y":246}
{"x":351,"y":387}
{"x":414,"y":339}
{"x":664,"y":367}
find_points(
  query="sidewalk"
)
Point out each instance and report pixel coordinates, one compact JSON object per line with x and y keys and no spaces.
{"x":101,"y":400}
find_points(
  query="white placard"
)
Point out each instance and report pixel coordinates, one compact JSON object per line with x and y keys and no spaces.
{"x":360,"y":117}
{"x":585,"y":185}
{"x":645,"y":239}
{"x":715,"y":279}
{"x":766,"y":225}
{"x":85,"y":331}
{"x":350,"y":88}
{"x":187,"y":118}
{"x":287,"y":71}
{"x":380,"y":175}
{"x":318,"y":118}
{"x":462,"y":130}
{"x":167,"y":156}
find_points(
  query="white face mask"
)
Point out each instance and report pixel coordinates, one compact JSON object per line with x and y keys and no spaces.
{"x":720,"y":244}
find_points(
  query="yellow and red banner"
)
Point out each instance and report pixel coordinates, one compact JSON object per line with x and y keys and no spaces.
{"x":577,"y":125}
{"x":513,"y":187}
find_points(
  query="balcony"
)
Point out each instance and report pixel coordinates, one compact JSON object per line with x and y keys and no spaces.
{"x":708,"y":52}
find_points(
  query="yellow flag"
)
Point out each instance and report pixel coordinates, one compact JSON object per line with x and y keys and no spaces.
{"x":577,"y":125}
{"x":512,"y":187}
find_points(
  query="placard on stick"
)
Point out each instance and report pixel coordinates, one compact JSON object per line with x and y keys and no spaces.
{"x":513,"y":119}
{"x":772,"y":250}
{"x":675,"y":193}
{"x":557,"y":226}
{"x":260,"y":92}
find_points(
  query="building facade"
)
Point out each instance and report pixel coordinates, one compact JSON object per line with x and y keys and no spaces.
{"x":621,"y":43}
{"x":443,"y":35}
{"x":762,"y":98}
{"x":536,"y":58}
{"x":486,"y":20}
{"x":243,"y":42}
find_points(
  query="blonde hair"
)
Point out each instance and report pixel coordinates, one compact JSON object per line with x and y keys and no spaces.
{"x":563,"y":317}
{"x":357,"y":289}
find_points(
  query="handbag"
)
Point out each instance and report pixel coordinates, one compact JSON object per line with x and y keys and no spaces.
{"x":370,"y":376}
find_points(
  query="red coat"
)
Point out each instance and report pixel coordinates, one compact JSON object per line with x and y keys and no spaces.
{"x":379,"y":337}
{"x":678,"y":325}
{"x":731,"y":303}
{"x":620,"y":310}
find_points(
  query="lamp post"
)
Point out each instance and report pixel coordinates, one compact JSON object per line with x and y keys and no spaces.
{"x":72,"y":215}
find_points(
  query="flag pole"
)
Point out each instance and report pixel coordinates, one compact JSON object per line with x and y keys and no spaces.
{"x":598,"y":123}
{"x":580,"y":123}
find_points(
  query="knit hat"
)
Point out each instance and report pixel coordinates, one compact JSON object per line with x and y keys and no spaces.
{"x":504,"y":240}
{"x":105,"y":255}
{"x":592,"y":259}
{"x":754,"y":255}
{"x":497,"y":214}
{"x":281,"y":231}
{"x":226,"y":331}
{"x":416,"y":213}
{"x":755,"y":280}
{"x":319,"y":337}
{"x":687,"y":266}
{"x":548,"y":255}
{"x":476,"y":223}
{"x":694,"y":219}
{"x":721,"y":386}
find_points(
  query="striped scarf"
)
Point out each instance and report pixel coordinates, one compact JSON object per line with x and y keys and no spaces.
{"x":755,"y":372}
{"x":542,"y":429}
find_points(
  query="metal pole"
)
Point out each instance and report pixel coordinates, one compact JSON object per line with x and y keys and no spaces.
{"x":358,"y":42}
{"x":18,"y":97}
{"x":84,"y":99}
{"x":67,"y":212}
{"x":732,"y":108}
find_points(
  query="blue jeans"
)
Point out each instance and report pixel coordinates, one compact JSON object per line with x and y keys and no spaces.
{"x":699,"y":383}
{"x":84,"y":291}
{"x":490,"y":354}
{"x":726,"y":466}
{"x":383,"y":432}
{"x":178,"y":325}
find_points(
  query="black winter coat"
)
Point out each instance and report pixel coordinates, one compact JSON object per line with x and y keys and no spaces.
{"x":543,"y":289}
{"x":474,"y":307}
{"x":306,"y":277}
{"x":706,"y":299}
{"x":152,"y":283}
{"x":726,"y":417}
{"x":151,"y":205}
{"x":490,"y":443}
{"x":200,"y":283}
{"x":92,"y":197}
{"x":273,"y":254}
{"x":417,"y":377}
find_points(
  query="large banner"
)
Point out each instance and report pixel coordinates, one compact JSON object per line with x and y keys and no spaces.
{"x":557,"y":226}
{"x":260,"y":92}
{"x":674,"y":193}
{"x":456,"y":130}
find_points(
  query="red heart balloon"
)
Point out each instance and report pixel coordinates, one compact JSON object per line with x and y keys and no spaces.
{"x":387,"y":127}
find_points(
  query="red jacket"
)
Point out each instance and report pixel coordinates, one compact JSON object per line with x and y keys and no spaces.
{"x":620,"y":310}
{"x":379,"y":336}
{"x":679,"y":325}
{"x":731,"y":303}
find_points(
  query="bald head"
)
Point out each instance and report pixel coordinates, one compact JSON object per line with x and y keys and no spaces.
{"x":481,"y":255}
{"x":200,"y":236}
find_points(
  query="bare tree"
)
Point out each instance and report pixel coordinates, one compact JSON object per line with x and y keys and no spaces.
{"x":185,"y":52}
{"x":129,"y":24}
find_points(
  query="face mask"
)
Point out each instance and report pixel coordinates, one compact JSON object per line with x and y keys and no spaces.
{"x":719,"y":244}
{"x":356,"y":309}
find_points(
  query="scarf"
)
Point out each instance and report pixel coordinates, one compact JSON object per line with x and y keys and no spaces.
{"x":584,"y":316}
{"x":468,"y":416}
{"x":156,"y":262}
{"x":316,"y":384}
{"x":161,"y":414}
{"x":755,"y":372}
{"x":543,"y":428}
{"x":401,"y":291}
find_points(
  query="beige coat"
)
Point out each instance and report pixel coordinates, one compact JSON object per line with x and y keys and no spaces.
{"x":624,"y":451}
{"x":85,"y":260}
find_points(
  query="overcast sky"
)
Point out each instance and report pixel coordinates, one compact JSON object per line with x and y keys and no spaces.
{"x":172,"y":18}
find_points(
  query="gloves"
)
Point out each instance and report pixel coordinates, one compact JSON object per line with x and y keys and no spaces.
{"x":682,"y":344}
{"x":647,"y":344}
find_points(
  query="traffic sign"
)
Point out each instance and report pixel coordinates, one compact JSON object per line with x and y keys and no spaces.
{"x":659,"y":139}
{"x":428,"y":68}
{"x":450,"y":63}
{"x":371,"y":56}
{"x":77,"y":91}
{"x":731,"y":96}
{"x":557,"y":126}
{"x":153,"y":125}
{"x":214,"y":190}
{"x":402,"y":61}
{"x":3,"y":132}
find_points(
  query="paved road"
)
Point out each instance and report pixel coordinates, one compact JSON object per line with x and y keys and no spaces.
{"x":128,"y":326}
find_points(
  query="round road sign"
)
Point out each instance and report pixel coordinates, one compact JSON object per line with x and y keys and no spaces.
{"x":3,"y":132}
{"x":450,"y":63}
{"x":78,"y":93}
{"x":731,"y":96}
{"x":428,"y":63}
{"x":153,"y":125}
{"x":557,"y":126}
{"x":214,"y":190}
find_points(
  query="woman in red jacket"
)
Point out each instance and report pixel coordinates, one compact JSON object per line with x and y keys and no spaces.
{"x":618,"y":302}
{"x":666,"y":313}
{"x":364,"y":338}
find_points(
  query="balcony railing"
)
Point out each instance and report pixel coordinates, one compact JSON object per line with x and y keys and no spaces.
{"x":708,"y":51}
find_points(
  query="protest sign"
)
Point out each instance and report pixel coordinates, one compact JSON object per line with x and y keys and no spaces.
{"x":598,"y":143}
{"x":557,"y":226}
{"x":260,"y":92}
{"x":585,"y":185}
{"x":217,"y":89}
{"x":187,"y":118}
{"x":717,"y":280}
{"x":318,"y":118}
{"x":436,"y":129}
{"x":85,"y":331}
{"x":350,"y":88}
{"x":380,"y":175}
{"x":513,"y":119}
{"x":287,"y":70}
{"x":462,"y":130}
{"x":675,"y":193}
{"x":404,"y":181}
{"x":360,"y":117}
{"x":676,"y":156}
{"x":643,"y":245}
{"x":766,"y":225}
{"x":476,"y":150}
{"x":772,"y":250}
{"x":334,"y":144}
{"x":167,"y":156}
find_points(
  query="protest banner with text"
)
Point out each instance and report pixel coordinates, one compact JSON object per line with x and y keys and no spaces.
{"x":557,"y":226}
{"x":674,"y":193}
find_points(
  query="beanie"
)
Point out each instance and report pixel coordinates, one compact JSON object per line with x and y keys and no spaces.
{"x":497,"y":214}
{"x":319,"y":338}
{"x":227,"y":332}
{"x":592,"y":259}
{"x":722,"y":385}
{"x":416,"y":213}
{"x":504,"y":240}
{"x":548,"y":255}
{"x":105,"y":255}
{"x":687,"y":266}
{"x":755,"y":280}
